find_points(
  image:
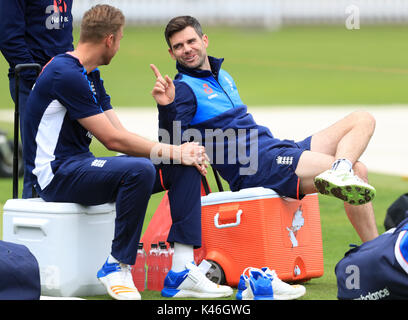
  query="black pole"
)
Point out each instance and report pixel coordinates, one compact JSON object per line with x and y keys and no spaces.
{"x":205,"y":185}
{"x":218,"y":180}
{"x":16,"y":135}
{"x":17,"y":70}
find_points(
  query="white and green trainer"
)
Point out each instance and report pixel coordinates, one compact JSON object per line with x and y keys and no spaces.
{"x":344,"y":185}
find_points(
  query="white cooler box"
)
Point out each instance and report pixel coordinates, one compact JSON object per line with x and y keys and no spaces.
{"x":70,"y":241}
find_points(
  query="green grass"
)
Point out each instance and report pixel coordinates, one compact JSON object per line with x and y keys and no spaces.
{"x":292,"y":66}
{"x":316,"y":65}
{"x":337,"y":232}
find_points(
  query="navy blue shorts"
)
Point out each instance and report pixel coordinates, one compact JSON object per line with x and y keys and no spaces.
{"x":277,"y":169}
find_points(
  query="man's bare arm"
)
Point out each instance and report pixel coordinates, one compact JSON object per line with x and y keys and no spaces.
{"x":110,"y":132}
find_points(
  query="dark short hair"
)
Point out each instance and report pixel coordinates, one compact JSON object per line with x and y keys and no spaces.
{"x":180,"y":23}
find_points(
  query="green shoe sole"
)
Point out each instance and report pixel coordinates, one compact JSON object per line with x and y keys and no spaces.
{"x":353,"y":194}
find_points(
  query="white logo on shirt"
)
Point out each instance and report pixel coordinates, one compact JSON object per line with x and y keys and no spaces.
{"x":98,"y":163}
{"x":57,"y":16}
{"x":284,"y":160}
{"x":93,"y":87}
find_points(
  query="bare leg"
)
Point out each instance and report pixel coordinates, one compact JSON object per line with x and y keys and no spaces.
{"x":347,"y":138}
{"x":362,"y":217}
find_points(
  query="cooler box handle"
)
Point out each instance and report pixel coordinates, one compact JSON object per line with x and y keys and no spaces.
{"x":228,"y":225}
{"x":37,"y":226}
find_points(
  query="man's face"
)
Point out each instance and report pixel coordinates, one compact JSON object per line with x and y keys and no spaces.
{"x":189,"y":49}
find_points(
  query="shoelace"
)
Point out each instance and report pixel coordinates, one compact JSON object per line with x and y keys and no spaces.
{"x":124,"y":275}
{"x":249,"y":269}
{"x":267,"y":273}
{"x":273,"y":274}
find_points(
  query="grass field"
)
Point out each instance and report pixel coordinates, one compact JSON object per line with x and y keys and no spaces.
{"x":292,"y":66}
{"x":295,"y":65}
{"x":337,"y":232}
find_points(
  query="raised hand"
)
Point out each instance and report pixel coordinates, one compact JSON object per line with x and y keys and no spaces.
{"x":163,"y":91}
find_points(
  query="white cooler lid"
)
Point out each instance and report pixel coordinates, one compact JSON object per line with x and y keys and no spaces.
{"x":37,"y":205}
{"x":241,"y":195}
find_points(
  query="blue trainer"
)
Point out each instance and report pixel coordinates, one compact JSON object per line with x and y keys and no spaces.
{"x":241,"y":286}
{"x":280,"y":289}
{"x":193,"y":283}
{"x":260,"y":286}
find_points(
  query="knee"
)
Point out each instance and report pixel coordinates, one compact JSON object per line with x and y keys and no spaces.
{"x":176,"y":176}
{"x":364,"y":119}
{"x":144,"y":172}
{"x":361,"y":171}
{"x":148,"y":170}
{"x":186,"y":172}
{"x":191,"y":175}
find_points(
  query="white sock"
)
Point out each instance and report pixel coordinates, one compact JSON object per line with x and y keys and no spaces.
{"x":111,"y":259}
{"x":342,"y":164}
{"x":183,"y":254}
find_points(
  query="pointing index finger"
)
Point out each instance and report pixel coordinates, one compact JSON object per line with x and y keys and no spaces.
{"x":156,"y":71}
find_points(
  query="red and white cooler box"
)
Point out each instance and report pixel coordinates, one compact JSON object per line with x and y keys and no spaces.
{"x":255,"y":227}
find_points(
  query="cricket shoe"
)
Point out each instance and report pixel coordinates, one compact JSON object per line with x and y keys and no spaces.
{"x":255,"y":286}
{"x":344,"y":185}
{"x":192,"y":283}
{"x":118,"y":281}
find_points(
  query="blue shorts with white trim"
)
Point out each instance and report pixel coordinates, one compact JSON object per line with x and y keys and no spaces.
{"x":279,"y":169}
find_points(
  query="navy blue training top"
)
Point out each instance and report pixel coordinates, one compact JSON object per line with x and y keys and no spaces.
{"x":34,"y":31}
{"x":377,"y":269}
{"x":63,"y":93}
{"x":209,"y":101}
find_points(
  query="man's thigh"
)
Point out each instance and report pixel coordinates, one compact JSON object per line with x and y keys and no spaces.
{"x":92,"y":181}
{"x":326,"y":140}
{"x":309,"y":166}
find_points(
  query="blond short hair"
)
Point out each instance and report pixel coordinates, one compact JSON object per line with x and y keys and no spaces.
{"x":99,"y":22}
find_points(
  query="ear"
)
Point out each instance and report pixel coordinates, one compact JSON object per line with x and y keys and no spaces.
{"x":171,"y":54}
{"x":109,"y":40}
{"x":205,"y":40}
